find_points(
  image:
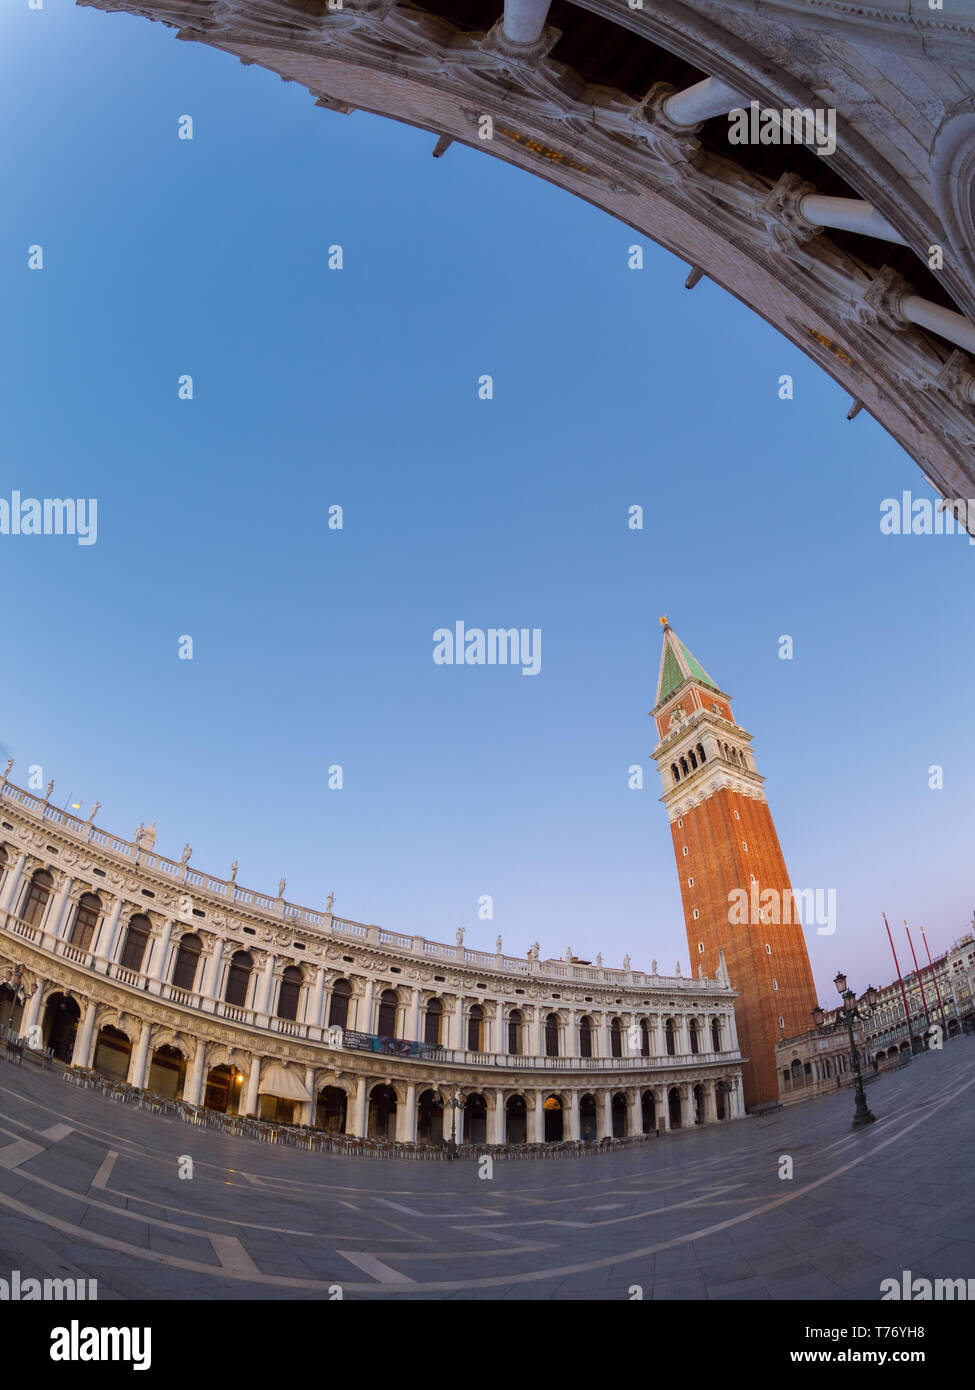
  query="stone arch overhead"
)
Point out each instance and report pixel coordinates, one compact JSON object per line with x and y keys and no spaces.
{"x":581,"y":129}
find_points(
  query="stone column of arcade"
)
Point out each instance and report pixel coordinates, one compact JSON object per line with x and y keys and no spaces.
{"x":29,"y":1022}
{"x":634,"y":1112}
{"x":211,"y":975}
{"x":307,"y":1110}
{"x":406,"y":1116}
{"x":661,"y":1107}
{"x":605,"y":1115}
{"x":253,"y":1082}
{"x":193,"y":1089}
{"x":9,"y":895}
{"x":536,"y":1117}
{"x":85,"y":1039}
{"x":496,"y":1119}
{"x":359,"y":1109}
{"x":365,"y":1024}
{"x":524,"y":21}
{"x":262,"y":997}
{"x":573,"y":1120}
{"x":139,"y":1056}
{"x":413,"y":1027}
{"x":56,"y":914}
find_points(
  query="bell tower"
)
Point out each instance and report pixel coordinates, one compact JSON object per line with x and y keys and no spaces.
{"x":728,"y":858}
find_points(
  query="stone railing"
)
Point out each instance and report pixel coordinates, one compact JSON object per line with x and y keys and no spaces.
{"x":320,"y":922}
{"x":145,"y":984}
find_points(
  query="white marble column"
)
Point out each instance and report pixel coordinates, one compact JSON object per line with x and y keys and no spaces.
{"x":496,"y":1119}
{"x":58,"y":910}
{"x":710,"y":1105}
{"x":536,"y":1049}
{"x":705,"y":99}
{"x":15,"y":876}
{"x":30,"y":1019}
{"x":160,"y":954}
{"x":606,"y":1114}
{"x":461,"y":1031}
{"x":661,"y":1109}
{"x":193,"y":1089}
{"x":263,"y":1002}
{"x":524,"y":20}
{"x":139,"y":1056}
{"x":413,"y":1025}
{"x":314,"y":1000}
{"x":211,"y":973}
{"x":634,"y":1113}
{"x":573,"y":1123}
{"x":84,"y":1040}
{"x":406,"y":1116}
{"x":253,"y":1081}
{"x":366,"y":1023}
{"x":536,"y":1122}
{"x":306,"y":1110}
{"x":359,"y":1109}
{"x":604,"y":1044}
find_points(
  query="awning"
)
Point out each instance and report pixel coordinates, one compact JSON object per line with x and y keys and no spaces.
{"x":279,"y":1081}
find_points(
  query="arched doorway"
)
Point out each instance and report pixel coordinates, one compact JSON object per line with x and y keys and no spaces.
{"x":670,"y":1038}
{"x":616,"y":1038}
{"x":11,"y":1008}
{"x":429,"y":1118}
{"x":698,"y":1097}
{"x":223,"y":1089}
{"x":587,"y":1118}
{"x":475,"y":1119}
{"x":585,"y":1037}
{"x":673,"y":1103}
{"x":516,"y":1120}
{"x":648,"y":1107}
{"x":797,"y":1077}
{"x":289,"y":993}
{"x":552,"y":1110}
{"x":86,"y":917}
{"x":382,"y":1113}
{"x":551,"y":1035}
{"x":113,"y":1051}
{"x":332,"y":1109}
{"x":516,"y":1022}
{"x":61,"y":1015}
{"x":475,"y":1025}
{"x":167,"y":1072}
{"x":37,"y":898}
{"x":619,"y":1115}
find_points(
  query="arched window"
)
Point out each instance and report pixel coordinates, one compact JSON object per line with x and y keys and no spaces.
{"x":552,"y":1035}
{"x":683,"y":766}
{"x":670,"y":1038}
{"x":37,"y":896}
{"x":644,"y":1038}
{"x":187,"y":958}
{"x":387,"y":1013}
{"x":693,"y":1034}
{"x":700,"y":753}
{"x":431,"y":1022}
{"x":338,"y":1005}
{"x":475,"y":1023}
{"x":616,"y":1038}
{"x":585,"y":1037}
{"x":715,"y":1035}
{"x":692,"y":758}
{"x":674,"y":773}
{"x":136,"y":937}
{"x":515,"y":1021}
{"x":85,"y":920}
{"x":289,"y":993}
{"x":238,"y":978}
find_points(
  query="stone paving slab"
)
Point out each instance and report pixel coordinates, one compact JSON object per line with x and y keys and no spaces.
{"x":699,"y":1214}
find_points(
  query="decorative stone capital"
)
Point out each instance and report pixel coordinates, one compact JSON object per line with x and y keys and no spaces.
{"x":496,"y":41}
{"x":883,"y":300}
{"x":783,"y":211}
{"x":957,"y":378}
{"x":675,"y":144}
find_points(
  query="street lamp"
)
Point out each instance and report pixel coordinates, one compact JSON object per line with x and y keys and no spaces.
{"x":455,"y":1102}
{"x":848,"y":1015}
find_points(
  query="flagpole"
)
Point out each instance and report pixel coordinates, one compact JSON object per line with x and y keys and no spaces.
{"x":935,"y":978}
{"x":907,"y":1012}
{"x":920,"y":977}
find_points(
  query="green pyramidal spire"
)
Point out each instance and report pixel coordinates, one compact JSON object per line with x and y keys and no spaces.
{"x":677,"y":665}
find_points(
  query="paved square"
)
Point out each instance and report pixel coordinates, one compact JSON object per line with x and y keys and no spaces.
{"x":90,"y":1189}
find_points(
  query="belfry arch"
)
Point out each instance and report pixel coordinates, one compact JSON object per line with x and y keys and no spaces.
{"x":628,"y":109}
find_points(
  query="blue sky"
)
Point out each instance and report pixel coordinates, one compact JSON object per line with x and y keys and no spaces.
{"x":359,"y":388}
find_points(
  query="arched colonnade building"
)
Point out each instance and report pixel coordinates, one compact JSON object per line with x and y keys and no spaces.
{"x":150,"y":971}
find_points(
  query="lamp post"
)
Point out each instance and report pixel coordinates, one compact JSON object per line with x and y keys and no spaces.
{"x":848,"y":1015}
{"x":455,"y":1102}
